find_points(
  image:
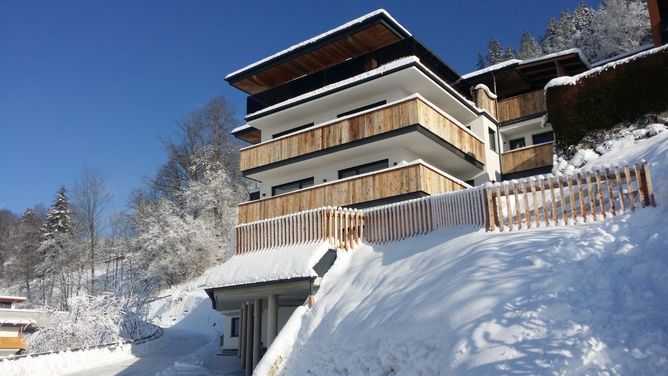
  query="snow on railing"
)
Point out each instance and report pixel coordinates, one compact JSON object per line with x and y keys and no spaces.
{"x":568,"y":199}
{"x":341,"y":227}
{"x":419,"y":216}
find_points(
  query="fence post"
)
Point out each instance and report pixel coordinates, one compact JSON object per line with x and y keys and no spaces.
{"x":648,"y":187}
{"x":489,"y":206}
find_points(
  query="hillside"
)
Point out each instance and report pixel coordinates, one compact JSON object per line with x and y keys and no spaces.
{"x":587,"y":299}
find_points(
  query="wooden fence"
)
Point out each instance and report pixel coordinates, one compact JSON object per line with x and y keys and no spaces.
{"x":568,"y":199}
{"x":12,"y":343}
{"x":510,"y":205}
{"x":419,"y":216}
{"x":341,"y":227}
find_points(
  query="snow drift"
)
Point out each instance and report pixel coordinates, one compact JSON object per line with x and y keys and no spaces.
{"x":586,"y":299}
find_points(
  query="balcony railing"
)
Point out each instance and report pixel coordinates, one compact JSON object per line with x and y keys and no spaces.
{"x":521,"y":106}
{"x":527,"y":158}
{"x":12,"y":343}
{"x":411,"y":111}
{"x":416,"y":177}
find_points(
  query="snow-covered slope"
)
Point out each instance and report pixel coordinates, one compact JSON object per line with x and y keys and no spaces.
{"x":587,"y":299}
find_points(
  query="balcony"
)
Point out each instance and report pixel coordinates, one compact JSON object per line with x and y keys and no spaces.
{"x":521,"y":106}
{"x":368,"y":126}
{"x":527,"y":158}
{"x":416,"y":179}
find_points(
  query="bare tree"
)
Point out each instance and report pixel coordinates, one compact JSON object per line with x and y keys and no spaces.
{"x":91,"y":196}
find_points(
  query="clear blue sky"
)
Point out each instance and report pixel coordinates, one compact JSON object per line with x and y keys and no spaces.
{"x":97,"y":83}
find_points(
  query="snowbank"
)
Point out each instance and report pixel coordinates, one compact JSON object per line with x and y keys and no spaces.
{"x":587,"y":299}
{"x":269,"y":265}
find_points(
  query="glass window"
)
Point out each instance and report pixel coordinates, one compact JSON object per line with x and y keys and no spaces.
{"x":542,"y":138}
{"x":293,"y":186}
{"x":517,"y":143}
{"x":360,"y":109}
{"x":363,"y":169}
{"x":492,"y":139}
{"x":235,"y":327}
{"x":292,"y":130}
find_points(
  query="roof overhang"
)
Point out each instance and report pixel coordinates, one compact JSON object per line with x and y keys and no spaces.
{"x":365,"y":34}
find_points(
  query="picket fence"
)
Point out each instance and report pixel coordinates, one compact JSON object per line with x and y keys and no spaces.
{"x":340,"y":226}
{"x":508,"y":206}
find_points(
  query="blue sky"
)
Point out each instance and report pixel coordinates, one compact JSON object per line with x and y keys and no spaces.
{"x":97,"y":83}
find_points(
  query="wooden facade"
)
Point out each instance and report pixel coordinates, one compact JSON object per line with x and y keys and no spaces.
{"x":373,"y":123}
{"x":484,"y":100}
{"x":12,"y":343}
{"x":412,"y":178}
{"x":527,"y":158}
{"x":521,"y":106}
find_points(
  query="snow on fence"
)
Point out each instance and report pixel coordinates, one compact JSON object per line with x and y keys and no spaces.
{"x":419,"y":216}
{"x":341,"y":227}
{"x":568,"y":199}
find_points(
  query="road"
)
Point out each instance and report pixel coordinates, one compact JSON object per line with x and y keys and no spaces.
{"x":178,"y":352}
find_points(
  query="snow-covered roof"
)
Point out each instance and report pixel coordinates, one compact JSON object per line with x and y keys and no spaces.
{"x":241,"y":128}
{"x":519,"y":62}
{"x":13,"y":321}
{"x":274,"y":264}
{"x":319,"y":37}
{"x":572,"y":80}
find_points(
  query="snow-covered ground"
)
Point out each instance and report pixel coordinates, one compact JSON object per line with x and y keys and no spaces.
{"x":587,"y":299}
{"x":188,"y":347}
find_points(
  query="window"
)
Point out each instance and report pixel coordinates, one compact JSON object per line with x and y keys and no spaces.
{"x":517,"y":143}
{"x":542,"y":138}
{"x":492,"y":139}
{"x":7,"y":305}
{"x":363,"y":169}
{"x":367,"y":107}
{"x":293,"y":186}
{"x":292,"y":130}
{"x":254,"y":196}
{"x":235,"y":327}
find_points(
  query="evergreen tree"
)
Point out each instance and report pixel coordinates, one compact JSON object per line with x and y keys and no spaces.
{"x":529,"y":47}
{"x":495,"y":53}
{"x":550,"y":38}
{"x":480,"y":61}
{"x":59,"y":218}
{"x":509,"y":53}
{"x":621,"y":25}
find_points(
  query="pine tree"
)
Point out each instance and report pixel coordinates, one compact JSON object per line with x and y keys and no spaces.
{"x":529,"y":47}
{"x":549,"y":41}
{"x":508,"y":54}
{"x":59,"y":218}
{"x":480,"y":61}
{"x":495,"y":53}
{"x":621,"y":25}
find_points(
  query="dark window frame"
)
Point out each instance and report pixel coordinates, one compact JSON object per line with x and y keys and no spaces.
{"x":300,"y":184}
{"x":522,"y":139}
{"x":292,"y":130}
{"x":492,"y":140}
{"x":234,"y":329}
{"x":533,"y":137}
{"x":363,"y":108}
{"x":356,"y":169}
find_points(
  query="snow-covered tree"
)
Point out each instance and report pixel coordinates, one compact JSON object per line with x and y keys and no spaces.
{"x":620,"y":25}
{"x":480,"y":62}
{"x":529,"y":47}
{"x":27,"y":256}
{"x":495,"y":52}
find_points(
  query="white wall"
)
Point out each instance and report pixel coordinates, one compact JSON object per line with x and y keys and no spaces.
{"x":9,"y":331}
{"x":480,"y":127}
{"x":525,"y":129}
{"x":230,"y":342}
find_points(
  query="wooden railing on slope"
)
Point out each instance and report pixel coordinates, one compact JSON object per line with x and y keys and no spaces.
{"x":12,"y":343}
{"x":419,"y":216}
{"x":568,"y":199}
{"x":341,"y":227}
{"x":522,"y":106}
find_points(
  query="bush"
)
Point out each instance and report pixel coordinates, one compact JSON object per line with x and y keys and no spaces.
{"x":619,"y":93}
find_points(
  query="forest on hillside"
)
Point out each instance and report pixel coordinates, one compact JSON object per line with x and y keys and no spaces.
{"x":615,"y":27}
{"x":101,"y":269}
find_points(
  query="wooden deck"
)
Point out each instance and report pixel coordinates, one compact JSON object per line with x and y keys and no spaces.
{"x":373,"y":123}
{"x":521,"y":106}
{"x":12,"y":343}
{"x":412,"y":178}
{"x":527,"y":158}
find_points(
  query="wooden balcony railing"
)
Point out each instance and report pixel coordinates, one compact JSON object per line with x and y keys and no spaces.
{"x":411,"y":178}
{"x":12,"y":343}
{"x":412,"y":111}
{"x":521,"y":106}
{"x":527,"y":158}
